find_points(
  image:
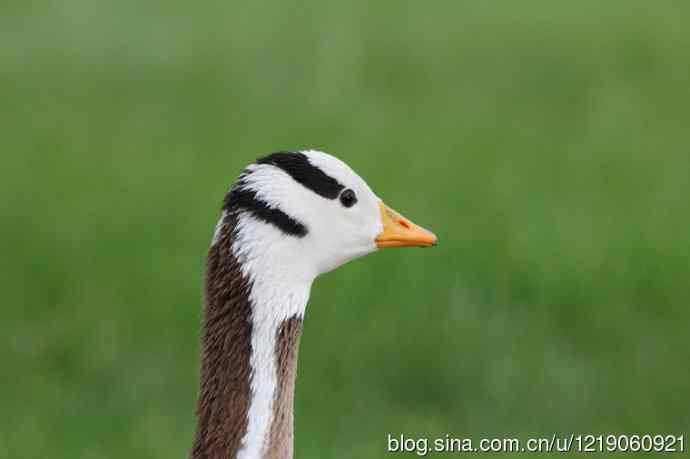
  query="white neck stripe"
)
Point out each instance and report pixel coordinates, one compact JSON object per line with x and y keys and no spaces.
{"x":275,"y":296}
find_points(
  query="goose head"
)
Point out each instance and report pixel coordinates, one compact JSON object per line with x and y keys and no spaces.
{"x":288,"y":218}
{"x":311,"y":213}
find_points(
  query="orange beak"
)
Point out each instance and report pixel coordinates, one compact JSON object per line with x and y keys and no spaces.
{"x":400,"y":232}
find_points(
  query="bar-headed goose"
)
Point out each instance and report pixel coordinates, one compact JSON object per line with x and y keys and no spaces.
{"x":289,"y":217}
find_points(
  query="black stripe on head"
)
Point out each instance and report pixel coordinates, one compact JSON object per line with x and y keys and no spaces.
{"x":304,"y":172}
{"x":243,"y":198}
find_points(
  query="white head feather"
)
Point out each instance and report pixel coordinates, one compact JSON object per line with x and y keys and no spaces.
{"x":335,"y":234}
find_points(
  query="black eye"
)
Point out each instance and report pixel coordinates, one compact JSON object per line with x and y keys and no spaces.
{"x":348,"y":198}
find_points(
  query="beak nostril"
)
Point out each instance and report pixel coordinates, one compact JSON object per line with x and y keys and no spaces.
{"x":404,"y":224}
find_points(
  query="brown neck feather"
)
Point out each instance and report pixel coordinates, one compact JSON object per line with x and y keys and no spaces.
{"x":226,"y":346}
{"x":287,"y":346}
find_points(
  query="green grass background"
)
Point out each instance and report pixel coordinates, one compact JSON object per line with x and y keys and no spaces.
{"x":546,"y":143}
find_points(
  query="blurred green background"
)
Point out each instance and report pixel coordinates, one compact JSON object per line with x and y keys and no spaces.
{"x":546,"y":143}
